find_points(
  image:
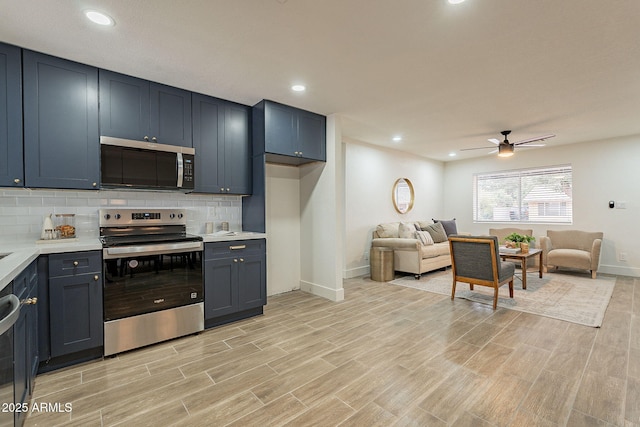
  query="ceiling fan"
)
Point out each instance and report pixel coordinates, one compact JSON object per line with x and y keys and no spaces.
{"x":506,"y":148}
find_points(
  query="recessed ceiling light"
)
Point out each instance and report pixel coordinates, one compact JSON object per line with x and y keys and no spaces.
{"x":298,"y":88}
{"x":99,"y":17}
{"x":397,"y":138}
{"x":452,"y":154}
{"x":455,"y":1}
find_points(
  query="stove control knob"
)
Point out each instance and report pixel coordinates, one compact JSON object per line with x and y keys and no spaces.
{"x":117,"y":216}
{"x":172,"y":215}
{"x":107,"y":216}
{"x":180,"y":215}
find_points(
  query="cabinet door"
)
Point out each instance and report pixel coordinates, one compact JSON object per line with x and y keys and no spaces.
{"x":32,"y":326}
{"x":237,"y":149}
{"x":280,"y":129}
{"x":11,"y":173}
{"x":312,"y":135}
{"x":61,"y":140}
{"x":220,"y":289}
{"x":20,"y":365}
{"x":124,"y":106}
{"x":170,"y":115}
{"x":252,"y":281}
{"x":75,"y":306}
{"x":207,"y":134}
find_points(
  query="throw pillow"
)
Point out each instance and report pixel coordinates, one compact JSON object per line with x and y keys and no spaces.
{"x":406,"y":231}
{"x":388,"y":230}
{"x":424,"y":237}
{"x":449,"y":226}
{"x":437,"y":232}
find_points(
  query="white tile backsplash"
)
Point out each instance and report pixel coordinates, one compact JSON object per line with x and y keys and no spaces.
{"x":22,"y":211}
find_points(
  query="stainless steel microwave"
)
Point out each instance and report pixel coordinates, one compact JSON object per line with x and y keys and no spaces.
{"x":133,"y":164}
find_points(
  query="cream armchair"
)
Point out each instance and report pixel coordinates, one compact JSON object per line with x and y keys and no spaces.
{"x":571,"y":248}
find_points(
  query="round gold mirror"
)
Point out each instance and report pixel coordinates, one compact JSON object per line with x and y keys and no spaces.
{"x":402,"y":195}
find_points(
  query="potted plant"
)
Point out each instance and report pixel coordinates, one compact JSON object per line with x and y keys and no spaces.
{"x":516,"y":240}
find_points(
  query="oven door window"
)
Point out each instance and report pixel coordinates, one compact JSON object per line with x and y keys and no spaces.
{"x":143,"y":284}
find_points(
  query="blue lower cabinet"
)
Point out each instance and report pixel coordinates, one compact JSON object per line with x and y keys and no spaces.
{"x":25,"y":352}
{"x":235,"y":276}
{"x":74,"y":303}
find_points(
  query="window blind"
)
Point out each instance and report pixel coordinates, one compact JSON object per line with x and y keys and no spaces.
{"x":536,"y":195}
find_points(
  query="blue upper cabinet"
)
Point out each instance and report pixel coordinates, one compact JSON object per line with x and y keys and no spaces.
{"x":11,"y":173}
{"x":61,"y":140}
{"x":221,"y":138}
{"x":137,"y":109}
{"x":287,"y":134}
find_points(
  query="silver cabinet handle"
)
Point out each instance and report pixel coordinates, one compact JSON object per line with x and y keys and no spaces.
{"x":75,"y":263}
{"x":17,"y":180}
{"x":235,"y":248}
{"x":228,"y":189}
{"x":154,"y":139}
{"x":235,"y":260}
{"x":31,"y":301}
{"x":146,"y":138}
{"x":96,"y":277}
{"x":95,"y":184}
{"x":241,"y":259}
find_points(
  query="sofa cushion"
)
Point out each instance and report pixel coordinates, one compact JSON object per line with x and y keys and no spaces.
{"x":435,"y":250}
{"x":450,"y":226}
{"x":390,"y":229}
{"x":424,"y":237}
{"x":575,"y":258}
{"x":437,"y":232}
{"x":406,"y":230}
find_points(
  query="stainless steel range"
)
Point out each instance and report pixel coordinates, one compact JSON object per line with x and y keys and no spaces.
{"x":153,"y":284}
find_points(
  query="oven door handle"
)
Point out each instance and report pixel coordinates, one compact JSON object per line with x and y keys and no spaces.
{"x":7,"y":322}
{"x":142,"y":250}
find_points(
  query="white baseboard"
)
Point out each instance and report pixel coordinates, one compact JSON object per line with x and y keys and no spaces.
{"x":356,"y":272}
{"x":322,"y":291}
{"x":619,"y":270}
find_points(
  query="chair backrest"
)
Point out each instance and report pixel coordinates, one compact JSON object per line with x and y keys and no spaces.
{"x":501,"y":233}
{"x":475,"y":257}
{"x":573,"y":239}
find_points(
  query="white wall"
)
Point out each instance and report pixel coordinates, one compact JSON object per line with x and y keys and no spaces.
{"x":370,"y":173}
{"x":283,"y":228}
{"x":602,"y":171}
{"x":322,"y":220}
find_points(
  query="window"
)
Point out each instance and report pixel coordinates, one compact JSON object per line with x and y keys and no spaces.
{"x":541,"y":195}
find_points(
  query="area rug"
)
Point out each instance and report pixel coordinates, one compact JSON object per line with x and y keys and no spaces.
{"x":574,"y":299}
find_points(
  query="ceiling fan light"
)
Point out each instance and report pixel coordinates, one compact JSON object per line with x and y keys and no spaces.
{"x":505,"y":150}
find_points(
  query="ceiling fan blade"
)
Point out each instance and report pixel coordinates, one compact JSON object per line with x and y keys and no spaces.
{"x":494,"y":140}
{"x":532,"y":145}
{"x":538,"y":138}
{"x":493,"y":151}
{"x":477,"y":148}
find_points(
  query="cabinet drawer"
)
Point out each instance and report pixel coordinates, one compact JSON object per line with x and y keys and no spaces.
{"x":74,"y":263}
{"x":217,"y":250}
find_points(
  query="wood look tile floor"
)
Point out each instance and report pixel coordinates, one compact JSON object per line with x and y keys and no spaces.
{"x":385,"y":356}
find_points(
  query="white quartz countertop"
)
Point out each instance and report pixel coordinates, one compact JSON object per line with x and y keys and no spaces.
{"x":233,"y":235}
{"x":21,"y":254}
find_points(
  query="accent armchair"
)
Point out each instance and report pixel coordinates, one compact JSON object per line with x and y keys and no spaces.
{"x":572,"y":249}
{"x":475,"y":260}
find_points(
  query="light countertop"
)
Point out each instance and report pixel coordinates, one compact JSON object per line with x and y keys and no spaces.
{"x":21,"y":254}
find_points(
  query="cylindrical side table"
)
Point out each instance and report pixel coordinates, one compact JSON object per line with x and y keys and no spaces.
{"x":381,"y":264}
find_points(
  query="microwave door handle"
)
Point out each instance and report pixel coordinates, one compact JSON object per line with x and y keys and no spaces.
{"x":180,"y":169}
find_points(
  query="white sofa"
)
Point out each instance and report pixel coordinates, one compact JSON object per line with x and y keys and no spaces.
{"x":410,"y":255}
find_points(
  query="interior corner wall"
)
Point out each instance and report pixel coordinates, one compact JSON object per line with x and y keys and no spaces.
{"x":322,"y":218}
{"x":602,"y":171}
{"x":369,"y":175}
{"x":282,"y":228}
